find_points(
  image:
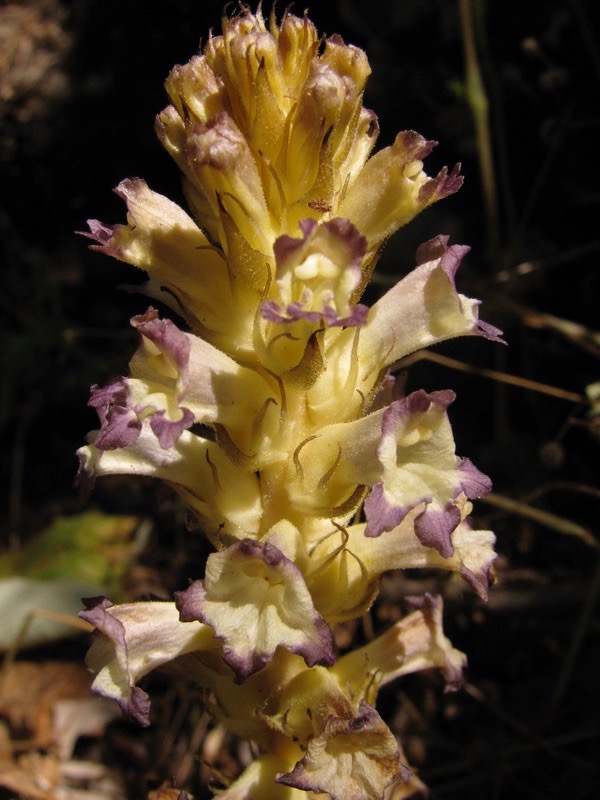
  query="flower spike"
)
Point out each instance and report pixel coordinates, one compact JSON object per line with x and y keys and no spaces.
{"x":272,"y":411}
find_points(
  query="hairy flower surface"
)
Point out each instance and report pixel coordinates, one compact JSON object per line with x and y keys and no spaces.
{"x":274,"y":414}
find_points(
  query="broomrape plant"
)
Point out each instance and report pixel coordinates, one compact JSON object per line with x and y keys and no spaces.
{"x":274,"y":414}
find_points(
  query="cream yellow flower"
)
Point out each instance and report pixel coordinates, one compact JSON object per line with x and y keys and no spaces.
{"x":319,"y":724}
{"x":269,"y":131}
{"x":276,"y":418}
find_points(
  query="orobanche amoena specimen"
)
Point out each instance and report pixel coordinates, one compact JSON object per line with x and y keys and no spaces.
{"x":274,"y":415}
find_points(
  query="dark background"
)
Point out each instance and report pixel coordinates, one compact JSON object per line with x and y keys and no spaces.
{"x":81,"y":82}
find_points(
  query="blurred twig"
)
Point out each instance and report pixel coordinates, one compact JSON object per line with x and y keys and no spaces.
{"x":576,"y":333}
{"x":545,"y":518}
{"x":479,"y":105}
{"x":577,"y":639}
{"x":564,"y":486}
{"x":494,"y":375}
{"x":542,"y":176}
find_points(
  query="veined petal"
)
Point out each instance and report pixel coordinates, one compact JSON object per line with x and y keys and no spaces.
{"x":256,"y":600}
{"x":132,"y":640}
{"x":354,"y":758}
{"x":415,"y":643}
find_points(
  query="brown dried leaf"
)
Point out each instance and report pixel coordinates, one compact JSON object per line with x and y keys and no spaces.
{"x":29,"y":693}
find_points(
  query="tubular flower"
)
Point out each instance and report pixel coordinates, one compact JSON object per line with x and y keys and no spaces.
{"x":274,"y":415}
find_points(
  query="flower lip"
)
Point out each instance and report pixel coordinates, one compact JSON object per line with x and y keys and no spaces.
{"x":120,"y":416}
{"x":120,"y":426}
{"x":168,"y":431}
{"x":167,"y":337}
{"x":434,"y":528}
{"x":452,"y":662}
{"x":451,"y":257}
{"x":135,"y":703}
{"x":317,"y":275}
{"x":420,"y":468}
{"x":272,"y":312}
{"x":256,"y":600}
{"x":443,"y":185}
{"x":130,"y":641}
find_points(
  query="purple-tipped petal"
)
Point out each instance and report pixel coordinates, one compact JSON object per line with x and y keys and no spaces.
{"x":414,"y":643}
{"x":256,"y":600}
{"x":405,"y":456}
{"x":450,"y":258}
{"x":133,"y":639}
{"x":168,"y":431}
{"x":476,"y":552}
{"x":451,"y":662}
{"x":422,"y":309}
{"x":434,"y":529}
{"x":135,"y":703}
{"x":382,"y":515}
{"x":120,"y":425}
{"x":393,"y":188}
{"x":474,"y":483}
{"x":172,"y":342}
{"x":420,"y":471}
{"x":323,"y":269}
{"x":443,"y":185}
